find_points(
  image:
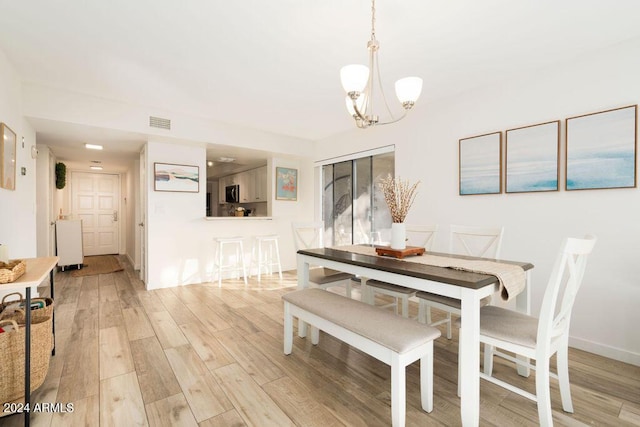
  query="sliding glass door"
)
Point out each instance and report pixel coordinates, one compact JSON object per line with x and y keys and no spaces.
{"x":353,"y":207}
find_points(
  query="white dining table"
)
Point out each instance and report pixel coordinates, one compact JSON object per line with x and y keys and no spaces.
{"x":468,"y":287}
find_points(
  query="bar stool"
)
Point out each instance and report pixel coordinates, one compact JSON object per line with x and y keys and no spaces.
{"x":268,"y":254}
{"x":236,"y":264}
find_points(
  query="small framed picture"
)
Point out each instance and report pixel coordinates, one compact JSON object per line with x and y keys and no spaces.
{"x":532,"y":154}
{"x":480,"y":159}
{"x":179,"y":178}
{"x":7,"y":158}
{"x":286,"y":184}
{"x":601,"y":149}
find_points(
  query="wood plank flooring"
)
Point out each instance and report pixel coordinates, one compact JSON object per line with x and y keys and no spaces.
{"x":209,"y":356}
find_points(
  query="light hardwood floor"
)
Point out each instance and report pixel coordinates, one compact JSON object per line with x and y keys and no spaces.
{"x":201,"y":355}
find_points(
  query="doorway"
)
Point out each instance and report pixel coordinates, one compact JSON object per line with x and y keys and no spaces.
{"x":95,"y":200}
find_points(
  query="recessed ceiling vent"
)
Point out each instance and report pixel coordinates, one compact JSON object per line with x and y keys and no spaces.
{"x":157,"y":122}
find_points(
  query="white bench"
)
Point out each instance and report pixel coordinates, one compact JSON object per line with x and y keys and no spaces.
{"x":394,"y":340}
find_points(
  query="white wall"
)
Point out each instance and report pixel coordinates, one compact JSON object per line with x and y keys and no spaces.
{"x":175,"y":252}
{"x":18,"y":207}
{"x":44,"y":215}
{"x":59,"y":105}
{"x":180,"y":241}
{"x":606,"y":314}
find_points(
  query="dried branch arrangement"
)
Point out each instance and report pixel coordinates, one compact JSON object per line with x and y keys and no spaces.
{"x":399,"y":195}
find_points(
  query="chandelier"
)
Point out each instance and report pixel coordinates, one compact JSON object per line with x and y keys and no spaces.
{"x":359,"y":82}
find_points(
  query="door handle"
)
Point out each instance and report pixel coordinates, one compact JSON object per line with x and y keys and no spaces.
{"x":141,"y":224}
{"x":115,"y":216}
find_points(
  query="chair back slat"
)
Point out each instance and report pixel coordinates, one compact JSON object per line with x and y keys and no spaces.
{"x":476,"y":241}
{"x":308,"y":235}
{"x":421,"y":235}
{"x":566,"y":279}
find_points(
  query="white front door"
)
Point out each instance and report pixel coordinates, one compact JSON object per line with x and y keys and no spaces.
{"x":95,"y":200}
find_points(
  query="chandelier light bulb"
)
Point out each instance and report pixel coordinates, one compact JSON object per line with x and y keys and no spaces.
{"x":408,"y":90}
{"x":354,"y":77}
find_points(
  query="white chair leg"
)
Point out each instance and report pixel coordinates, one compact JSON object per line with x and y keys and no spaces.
{"x":270,"y":259}
{"x":252,"y":262}
{"x":220,"y":258}
{"x":398,"y":392}
{"x":278,"y":258}
{"x":288,"y":329}
{"x":348,"y":288}
{"x":448,"y":325}
{"x":543,"y":393}
{"x":315,"y":335}
{"x":428,"y":310}
{"x":244,"y":267}
{"x":426,"y":380}
{"x":368,"y":296}
{"x":260,"y":260}
{"x":562,"y":360}
{"x":302,"y":328}
{"x":405,"y":306}
{"x":422,"y":311}
{"x":488,"y":359}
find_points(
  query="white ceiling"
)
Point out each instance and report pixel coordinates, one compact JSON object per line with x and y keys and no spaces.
{"x":274,"y":65}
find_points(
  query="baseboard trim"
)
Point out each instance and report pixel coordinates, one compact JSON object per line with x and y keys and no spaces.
{"x":135,"y":266}
{"x":606,"y":351}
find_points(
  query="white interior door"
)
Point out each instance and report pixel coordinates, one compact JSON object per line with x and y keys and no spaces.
{"x":95,"y":200}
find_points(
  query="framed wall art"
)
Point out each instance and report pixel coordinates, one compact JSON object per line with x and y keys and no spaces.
{"x":7,"y":158}
{"x":601,"y":149}
{"x":180,"y":178}
{"x":480,"y":164}
{"x":286,"y":184}
{"x":532,"y":158}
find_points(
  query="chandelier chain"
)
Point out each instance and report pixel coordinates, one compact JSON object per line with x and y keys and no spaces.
{"x":373,"y":19}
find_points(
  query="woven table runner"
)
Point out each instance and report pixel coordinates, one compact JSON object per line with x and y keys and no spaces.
{"x":511,"y":277}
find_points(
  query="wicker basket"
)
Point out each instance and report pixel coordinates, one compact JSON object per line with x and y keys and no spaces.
{"x":7,"y":311}
{"x":12,"y":366}
{"x":10,"y":272}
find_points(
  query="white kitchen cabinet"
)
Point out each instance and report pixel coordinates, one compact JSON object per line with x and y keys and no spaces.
{"x":69,"y":242}
{"x":260,"y":184}
{"x":222,"y":184}
{"x":253,"y":185}
{"x":246,"y":187}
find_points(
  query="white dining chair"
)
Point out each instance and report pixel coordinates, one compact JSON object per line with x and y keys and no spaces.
{"x":539,"y":338}
{"x":483,"y":242}
{"x":309,"y":235}
{"x":417,"y":235}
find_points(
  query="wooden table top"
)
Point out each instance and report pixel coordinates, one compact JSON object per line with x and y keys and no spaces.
{"x":428,"y":272}
{"x":37,"y":270}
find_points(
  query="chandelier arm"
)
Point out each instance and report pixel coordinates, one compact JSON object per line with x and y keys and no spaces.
{"x":392,"y":121}
{"x":358,"y":113}
{"x":384,"y":97}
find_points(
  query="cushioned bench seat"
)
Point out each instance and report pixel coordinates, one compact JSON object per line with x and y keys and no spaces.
{"x":391,"y":339}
